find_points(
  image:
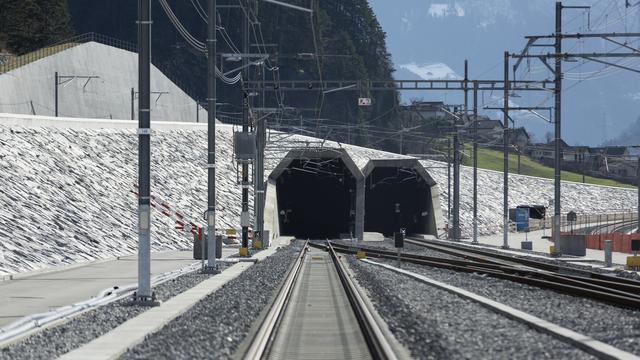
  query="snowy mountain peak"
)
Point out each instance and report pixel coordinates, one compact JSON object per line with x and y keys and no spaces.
{"x":434,"y":71}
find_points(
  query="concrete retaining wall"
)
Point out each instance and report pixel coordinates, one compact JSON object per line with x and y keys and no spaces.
{"x":30,"y":89}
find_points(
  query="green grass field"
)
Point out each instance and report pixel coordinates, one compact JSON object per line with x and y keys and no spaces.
{"x":493,"y":160}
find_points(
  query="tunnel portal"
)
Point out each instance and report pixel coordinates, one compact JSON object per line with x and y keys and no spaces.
{"x":316,"y":199}
{"x":397,"y":197}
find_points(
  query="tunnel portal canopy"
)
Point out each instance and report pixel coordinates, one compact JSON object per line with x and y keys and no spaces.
{"x":398,"y":194}
{"x":317,"y":194}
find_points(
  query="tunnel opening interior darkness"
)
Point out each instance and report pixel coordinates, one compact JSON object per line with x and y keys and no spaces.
{"x":316,"y":199}
{"x":392,"y":189}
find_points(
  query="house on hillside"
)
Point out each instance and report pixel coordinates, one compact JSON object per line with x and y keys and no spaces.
{"x":489,"y":131}
{"x":546,"y":152}
{"x":623,"y":168}
{"x":576,"y":154}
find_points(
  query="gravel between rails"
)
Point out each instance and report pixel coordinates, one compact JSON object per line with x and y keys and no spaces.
{"x":56,"y":341}
{"x":214,"y":327}
{"x":613,"y":325}
{"x":435,"y":324}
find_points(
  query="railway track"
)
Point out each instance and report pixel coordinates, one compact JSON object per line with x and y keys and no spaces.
{"x":318,"y":313}
{"x":616,"y":291}
{"x":572,"y":338}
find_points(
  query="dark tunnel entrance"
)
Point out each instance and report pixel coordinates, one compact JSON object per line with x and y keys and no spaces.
{"x":397,"y":197}
{"x":316,"y":199}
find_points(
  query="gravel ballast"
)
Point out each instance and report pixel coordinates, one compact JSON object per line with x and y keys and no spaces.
{"x":435,"y":324}
{"x":613,"y":325}
{"x":58,"y":340}
{"x":610,"y":324}
{"x":215,"y":327}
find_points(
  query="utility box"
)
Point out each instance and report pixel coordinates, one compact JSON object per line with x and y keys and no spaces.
{"x":197,"y":247}
{"x":244,"y":145}
{"x":575,"y":245}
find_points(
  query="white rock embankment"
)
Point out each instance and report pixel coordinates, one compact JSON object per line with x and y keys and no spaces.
{"x":523,"y":190}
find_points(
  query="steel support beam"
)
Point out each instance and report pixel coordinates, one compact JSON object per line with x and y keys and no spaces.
{"x":558,"y":130}
{"x":144,"y":294}
{"x":505,"y":149}
{"x":212,"y":93}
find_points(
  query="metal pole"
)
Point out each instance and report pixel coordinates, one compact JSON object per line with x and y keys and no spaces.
{"x":144,"y":294}
{"x":244,"y":217}
{"x":456,"y":159}
{"x":505,"y":148}
{"x":197,"y":112}
{"x":456,"y":186}
{"x":449,"y":186}
{"x":133,"y":99}
{"x":259,"y":187}
{"x":638,"y":175}
{"x":56,"y":94}
{"x":475,"y":162}
{"x":558,"y":119}
{"x":211,"y":131}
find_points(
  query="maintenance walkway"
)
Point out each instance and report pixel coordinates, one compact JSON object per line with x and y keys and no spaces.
{"x":39,"y":292}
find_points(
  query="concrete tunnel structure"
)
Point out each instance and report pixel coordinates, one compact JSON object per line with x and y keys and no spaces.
{"x":323,"y":193}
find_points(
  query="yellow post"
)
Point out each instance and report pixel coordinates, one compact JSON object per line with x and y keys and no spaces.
{"x":361,"y":255}
{"x":552,"y":249}
{"x":244,"y":251}
{"x":633,"y":261}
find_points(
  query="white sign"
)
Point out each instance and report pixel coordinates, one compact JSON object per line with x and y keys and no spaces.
{"x":364,"y":101}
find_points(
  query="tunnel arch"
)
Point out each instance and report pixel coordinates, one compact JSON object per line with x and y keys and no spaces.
{"x":403,"y":185}
{"x":316,"y":193}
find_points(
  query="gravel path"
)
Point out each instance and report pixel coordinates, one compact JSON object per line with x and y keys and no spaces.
{"x":214,"y":327}
{"x":53,"y":342}
{"x":434,"y":324}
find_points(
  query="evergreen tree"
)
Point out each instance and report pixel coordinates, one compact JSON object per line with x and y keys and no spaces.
{"x":27,"y":25}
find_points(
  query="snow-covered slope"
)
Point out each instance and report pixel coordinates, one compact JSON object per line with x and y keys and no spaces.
{"x":65,"y":193}
{"x":523,"y":190}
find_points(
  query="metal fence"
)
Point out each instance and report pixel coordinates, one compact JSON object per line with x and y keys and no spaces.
{"x":623,"y":220}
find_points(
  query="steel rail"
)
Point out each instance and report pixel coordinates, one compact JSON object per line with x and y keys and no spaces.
{"x":263,"y":340}
{"x":470,"y":252}
{"x":378,"y":345}
{"x":592,"y":346}
{"x":539,"y":279}
{"x":595,"y":284}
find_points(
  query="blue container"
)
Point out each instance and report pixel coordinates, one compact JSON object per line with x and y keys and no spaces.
{"x":522,"y":219}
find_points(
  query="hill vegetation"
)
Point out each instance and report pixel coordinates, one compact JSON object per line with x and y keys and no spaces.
{"x":494,"y":160}
{"x":27,"y":25}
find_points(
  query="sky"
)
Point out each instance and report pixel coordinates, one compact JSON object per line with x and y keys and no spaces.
{"x":430,"y":39}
